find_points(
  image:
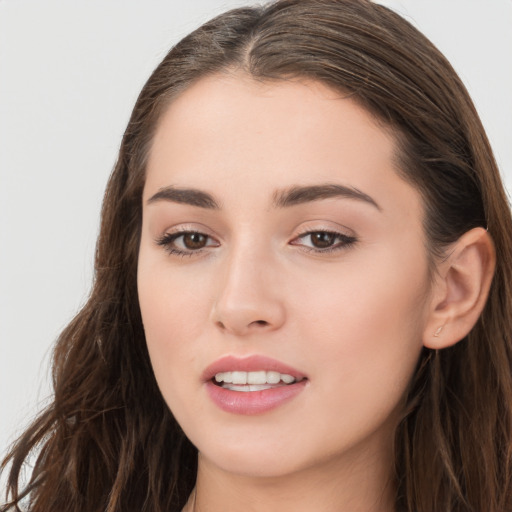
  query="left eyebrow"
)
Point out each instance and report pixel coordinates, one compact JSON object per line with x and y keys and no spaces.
{"x":305,"y":194}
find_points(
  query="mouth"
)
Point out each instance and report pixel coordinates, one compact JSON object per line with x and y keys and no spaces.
{"x":259,"y":380}
{"x":252,"y":385}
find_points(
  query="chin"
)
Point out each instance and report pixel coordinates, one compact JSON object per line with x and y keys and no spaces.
{"x":252,"y":463}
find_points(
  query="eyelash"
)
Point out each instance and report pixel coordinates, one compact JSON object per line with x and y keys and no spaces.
{"x":344,"y":241}
{"x":168,"y":240}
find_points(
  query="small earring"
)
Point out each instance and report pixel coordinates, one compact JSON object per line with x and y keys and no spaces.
{"x":438,"y":331}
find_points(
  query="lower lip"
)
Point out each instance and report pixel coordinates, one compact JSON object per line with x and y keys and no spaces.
{"x":253,"y":402}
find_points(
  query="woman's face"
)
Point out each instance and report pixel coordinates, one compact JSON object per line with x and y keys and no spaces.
{"x":280,"y":246}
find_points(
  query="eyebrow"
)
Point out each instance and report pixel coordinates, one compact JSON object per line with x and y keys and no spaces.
{"x":282,"y":198}
{"x":190,"y":196}
{"x":298,"y":195}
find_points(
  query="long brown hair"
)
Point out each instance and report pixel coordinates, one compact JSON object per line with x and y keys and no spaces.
{"x":108,"y":441}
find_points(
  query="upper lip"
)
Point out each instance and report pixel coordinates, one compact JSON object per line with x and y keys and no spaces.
{"x":249,"y":364}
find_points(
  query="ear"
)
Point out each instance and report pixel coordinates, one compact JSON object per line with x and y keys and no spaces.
{"x":460,"y":289}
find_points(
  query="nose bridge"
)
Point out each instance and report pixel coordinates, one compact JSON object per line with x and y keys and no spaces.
{"x":247,"y":298}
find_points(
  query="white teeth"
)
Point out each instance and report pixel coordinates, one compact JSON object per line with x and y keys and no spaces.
{"x":239,"y":377}
{"x":254,"y":379}
{"x":257,"y":377}
{"x":248,"y":387}
{"x":287,"y":379}
{"x":273,"y":377}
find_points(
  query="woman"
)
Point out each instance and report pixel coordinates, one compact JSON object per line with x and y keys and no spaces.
{"x":302,"y":295}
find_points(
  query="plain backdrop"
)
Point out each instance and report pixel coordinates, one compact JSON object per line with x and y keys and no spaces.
{"x":69,"y":75}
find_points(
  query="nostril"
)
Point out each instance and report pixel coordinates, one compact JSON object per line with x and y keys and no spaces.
{"x":243,"y":327}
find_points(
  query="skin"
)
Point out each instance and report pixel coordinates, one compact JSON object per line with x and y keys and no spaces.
{"x":352,"y":319}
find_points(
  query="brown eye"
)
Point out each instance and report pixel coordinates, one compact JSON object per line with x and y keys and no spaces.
{"x":194,"y":241}
{"x":322,"y":239}
{"x":186,"y":243}
{"x":323,"y":242}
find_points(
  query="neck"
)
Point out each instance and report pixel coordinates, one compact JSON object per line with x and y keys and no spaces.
{"x":332,"y":488}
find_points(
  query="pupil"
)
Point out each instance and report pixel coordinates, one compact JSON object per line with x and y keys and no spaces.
{"x":322,"y":239}
{"x":194,"y":240}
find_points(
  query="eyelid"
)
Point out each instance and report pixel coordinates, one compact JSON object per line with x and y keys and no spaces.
{"x":316,"y":226}
{"x":342,"y":239}
{"x":170,"y":235}
{"x":346,"y":237}
{"x":184,"y":228}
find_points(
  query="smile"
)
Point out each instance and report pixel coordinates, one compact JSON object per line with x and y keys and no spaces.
{"x":252,"y":385}
{"x":253,"y":381}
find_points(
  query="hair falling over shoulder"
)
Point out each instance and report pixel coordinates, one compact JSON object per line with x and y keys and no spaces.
{"x":109,"y":443}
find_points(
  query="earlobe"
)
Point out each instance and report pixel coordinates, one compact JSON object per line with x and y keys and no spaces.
{"x":461,"y":289}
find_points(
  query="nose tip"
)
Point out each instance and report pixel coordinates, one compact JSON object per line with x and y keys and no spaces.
{"x":246,"y":303}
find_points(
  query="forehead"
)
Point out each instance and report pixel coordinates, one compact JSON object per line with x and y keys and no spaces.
{"x":250,"y":112}
{"x":248,"y":136}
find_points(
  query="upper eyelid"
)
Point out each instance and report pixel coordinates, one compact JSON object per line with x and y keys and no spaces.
{"x":339,"y":230}
{"x":321,"y":230}
{"x":167,"y":241}
{"x":330,"y":232}
{"x":182,"y":232}
{"x":344,"y":242}
{"x":178,"y":230}
{"x":187,"y":228}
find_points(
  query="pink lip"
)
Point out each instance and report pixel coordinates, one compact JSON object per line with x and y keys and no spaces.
{"x":252,"y":402}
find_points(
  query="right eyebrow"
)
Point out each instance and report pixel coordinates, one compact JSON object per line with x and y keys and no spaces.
{"x":190,"y":196}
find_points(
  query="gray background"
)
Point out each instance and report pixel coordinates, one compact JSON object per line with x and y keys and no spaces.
{"x":69,"y":75}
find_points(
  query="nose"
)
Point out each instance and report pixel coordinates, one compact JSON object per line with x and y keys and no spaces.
{"x":249,"y":299}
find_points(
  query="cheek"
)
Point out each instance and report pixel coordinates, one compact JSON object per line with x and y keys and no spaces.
{"x":366,"y":327}
{"x":167,"y":305}
{"x":171,"y":297}
{"x":172,"y":307}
